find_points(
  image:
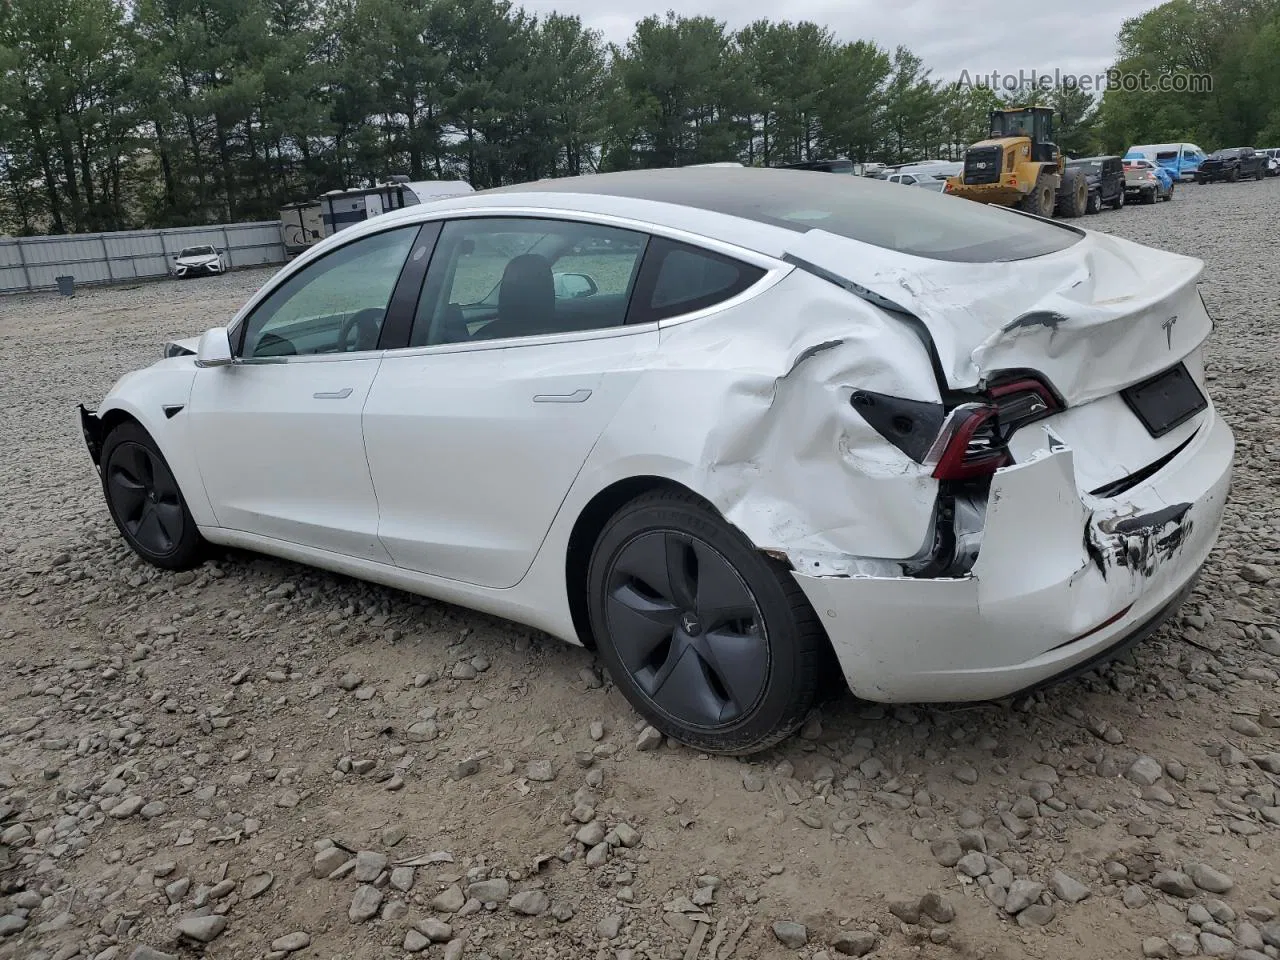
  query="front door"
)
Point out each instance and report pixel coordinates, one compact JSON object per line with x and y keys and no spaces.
{"x":278,"y":432}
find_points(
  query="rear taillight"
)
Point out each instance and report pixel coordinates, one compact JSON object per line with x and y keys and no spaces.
{"x":974,"y":439}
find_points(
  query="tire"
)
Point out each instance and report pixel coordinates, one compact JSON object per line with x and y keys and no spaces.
{"x":1095,"y":203}
{"x":1169,"y":196}
{"x":664,"y":572}
{"x":144,"y":500}
{"x":1233,"y":175}
{"x":1075,"y":195}
{"x":1260,"y":174}
{"x":1202,"y":180}
{"x":1149,"y":196}
{"x":1041,"y":199}
{"x":1119,"y":201}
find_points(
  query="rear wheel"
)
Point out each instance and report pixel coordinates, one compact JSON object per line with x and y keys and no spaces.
{"x":1260,"y":174}
{"x":1119,"y":201}
{"x":145,"y":502}
{"x":1149,"y":196}
{"x":712,"y":642}
{"x":1233,"y":175}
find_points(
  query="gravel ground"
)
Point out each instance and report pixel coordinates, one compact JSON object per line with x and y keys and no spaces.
{"x":259,"y":760}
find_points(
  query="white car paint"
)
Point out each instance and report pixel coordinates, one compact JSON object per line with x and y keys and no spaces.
{"x":215,"y":261}
{"x":440,"y":473}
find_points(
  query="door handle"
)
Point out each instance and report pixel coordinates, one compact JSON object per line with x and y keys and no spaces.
{"x":576,"y":397}
{"x":333,"y":394}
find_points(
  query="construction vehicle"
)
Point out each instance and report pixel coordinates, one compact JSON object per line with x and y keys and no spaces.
{"x":1020,"y":166}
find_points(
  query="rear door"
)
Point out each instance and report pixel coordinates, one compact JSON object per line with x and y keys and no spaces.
{"x":475,"y":432}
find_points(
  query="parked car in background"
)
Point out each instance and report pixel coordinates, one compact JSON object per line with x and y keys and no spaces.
{"x":200,"y":260}
{"x":1106,"y":179}
{"x":1182,"y":160}
{"x":935,"y":183}
{"x":1147,"y":182}
{"x":751,"y":460}
{"x":1273,"y":161}
{"x":1232,"y":164}
{"x":837,"y":165}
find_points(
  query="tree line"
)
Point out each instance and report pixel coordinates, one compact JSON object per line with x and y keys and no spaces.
{"x":117,"y":114}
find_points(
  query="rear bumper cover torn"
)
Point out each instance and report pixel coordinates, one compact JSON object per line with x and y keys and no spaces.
{"x":1062,"y":578}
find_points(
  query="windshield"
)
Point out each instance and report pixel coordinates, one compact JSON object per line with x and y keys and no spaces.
{"x":1088,"y":166}
{"x":1229,"y":154}
{"x":196,"y":252}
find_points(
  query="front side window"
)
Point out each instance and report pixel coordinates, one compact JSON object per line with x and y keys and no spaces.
{"x":335,"y":305}
{"x":497,"y":278}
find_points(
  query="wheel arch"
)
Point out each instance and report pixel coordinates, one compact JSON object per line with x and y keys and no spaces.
{"x":586,"y":530}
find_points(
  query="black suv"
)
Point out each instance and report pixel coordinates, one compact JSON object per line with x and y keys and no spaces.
{"x":1232,"y":164}
{"x":1105,"y":176}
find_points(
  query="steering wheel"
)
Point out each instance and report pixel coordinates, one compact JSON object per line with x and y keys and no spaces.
{"x":366,"y":325}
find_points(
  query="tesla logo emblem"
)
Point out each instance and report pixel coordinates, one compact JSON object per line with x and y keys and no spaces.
{"x":690,"y":624}
{"x":1168,"y":330}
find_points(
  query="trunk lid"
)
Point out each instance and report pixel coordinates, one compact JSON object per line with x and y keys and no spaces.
{"x":1092,"y":319}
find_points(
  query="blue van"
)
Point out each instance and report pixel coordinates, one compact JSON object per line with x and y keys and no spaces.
{"x":1180,"y":159}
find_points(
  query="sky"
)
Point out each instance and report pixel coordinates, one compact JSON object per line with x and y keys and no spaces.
{"x":951,"y":36}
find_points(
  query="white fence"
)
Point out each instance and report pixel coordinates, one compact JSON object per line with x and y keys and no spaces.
{"x":35,"y":263}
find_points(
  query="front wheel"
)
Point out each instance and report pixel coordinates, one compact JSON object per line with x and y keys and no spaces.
{"x":1095,"y":203}
{"x":711,"y":641}
{"x":144,"y":500}
{"x":1119,"y":204}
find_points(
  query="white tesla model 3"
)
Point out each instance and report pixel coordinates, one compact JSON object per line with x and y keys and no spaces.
{"x":735,"y":429}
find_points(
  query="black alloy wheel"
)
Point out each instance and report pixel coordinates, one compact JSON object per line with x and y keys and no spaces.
{"x":145,"y":500}
{"x":687,"y":628}
{"x":713,"y":642}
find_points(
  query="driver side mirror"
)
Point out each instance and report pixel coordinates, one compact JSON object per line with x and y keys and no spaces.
{"x":574,"y":286}
{"x":214,"y":349}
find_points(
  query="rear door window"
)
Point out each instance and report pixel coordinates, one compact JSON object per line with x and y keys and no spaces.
{"x":678,"y":278}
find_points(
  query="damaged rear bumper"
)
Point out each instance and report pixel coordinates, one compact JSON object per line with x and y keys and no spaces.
{"x":1062,"y":580}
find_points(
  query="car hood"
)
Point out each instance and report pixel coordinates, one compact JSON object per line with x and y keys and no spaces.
{"x":1101,"y":315}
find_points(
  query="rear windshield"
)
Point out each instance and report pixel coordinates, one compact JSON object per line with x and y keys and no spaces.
{"x":916,"y":222}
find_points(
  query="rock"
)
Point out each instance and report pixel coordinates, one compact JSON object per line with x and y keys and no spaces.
{"x":127,"y":808}
{"x":1156,"y":948}
{"x":752,"y":782}
{"x":202,"y":929}
{"x":937,"y":908}
{"x":973,"y":864}
{"x":415,"y":942}
{"x":598,"y":855}
{"x":369,"y":865}
{"x":437,"y":931}
{"x":590,"y":834}
{"x":144,"y":952}
{"x":450,"y":901}
{"x":791,"y":934}
{"x":1067,"y":888}
{"x":627,"y":835}
{"x":908,"y":911}
{"x":12,"y":923}
{"x":854,"y":943}
{"x":965,"y":774}
{"x":1022,"y":893}
{"x":1271,"y":933}
{"x":530,"y":903}
{"x":650,"y":739}
{"x":328,"y":861}
{"x":1036,"y":915}
{"x":350,"y":681}
{"x":1144,"y":771}
{"x":1134,"y":897}
{"x":540,"y":771}
{"x":1246,"y":727}
{"x":1174,"y":883}
{"x":946,"y":851}
{"x":402,"y":879}
{"x":1212,"y":945}
{"x":1270,"y":762}
{"x":609,"y":927}
{"x":1209,"y":879}
{"x":453,"y":950}
{"x":364,"y":904}
{"x":291,"y":942}
{"x":466,"y":768}
{"x":490,"y":891}
{"x":1040,"y":772}
{"x":1256,"y":573}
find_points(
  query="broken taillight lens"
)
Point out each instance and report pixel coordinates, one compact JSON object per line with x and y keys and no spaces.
{"x":974,"y":439}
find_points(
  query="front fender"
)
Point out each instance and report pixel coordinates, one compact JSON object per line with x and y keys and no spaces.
{"x":157,"y":398}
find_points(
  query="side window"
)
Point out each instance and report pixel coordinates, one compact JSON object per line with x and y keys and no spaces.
{"x":679,"y":278}
{"x":493,"y":278}
{"x":335,"y":305}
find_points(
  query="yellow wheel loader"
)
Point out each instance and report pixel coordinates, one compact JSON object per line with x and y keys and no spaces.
{"x":1019,"y":165}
